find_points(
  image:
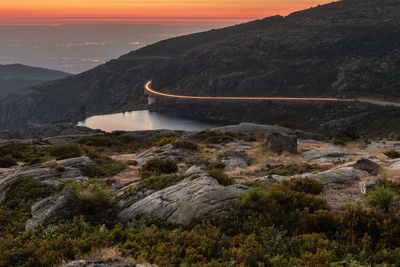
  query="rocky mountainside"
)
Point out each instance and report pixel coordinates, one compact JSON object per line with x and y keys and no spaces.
{"x":17,"y":76}
{"x":346,"y":49}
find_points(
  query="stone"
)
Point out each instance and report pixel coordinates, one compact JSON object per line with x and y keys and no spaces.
{"x":338,"y":178}
{"x":167,"y":152}
{"x":326,"y":155}
{"x":51,"y":209}
{"x":232,"y":164}
{"x":196,"y":197}
{"x":368,"y":185}
{"x":277,"y":142}
{"x":195,"y":169}
{"x":367,"y":165}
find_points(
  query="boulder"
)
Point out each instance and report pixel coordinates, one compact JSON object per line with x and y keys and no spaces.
{"x":51,"y":209}
{"x":368,"y":185}
{"x":367,"y":165}
{"x":192,"y":198}
{"x":338,"y":178}
{"x":165,"y":152}
{"x":325,"y":155}
{"x":232,"y":164}
{"x":278,"y":142}
{"x":195,"y":169}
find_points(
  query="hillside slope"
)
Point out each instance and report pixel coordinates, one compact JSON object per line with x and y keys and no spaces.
{"x":17,"y":76}
{"x":347,"y":49}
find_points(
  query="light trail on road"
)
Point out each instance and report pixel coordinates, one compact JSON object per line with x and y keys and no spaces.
{"x":151,"y":91}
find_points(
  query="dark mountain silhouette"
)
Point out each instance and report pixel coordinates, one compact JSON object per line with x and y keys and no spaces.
{"x":17,"y":76}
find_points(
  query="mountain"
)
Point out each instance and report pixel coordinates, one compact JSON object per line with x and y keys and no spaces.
{"x":348,"y":49}
{"x":17,"y":76}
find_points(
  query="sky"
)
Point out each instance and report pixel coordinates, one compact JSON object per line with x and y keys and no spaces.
{"x":50,"y":11}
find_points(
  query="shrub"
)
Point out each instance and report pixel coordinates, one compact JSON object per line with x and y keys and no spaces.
{"x":380,"y":197}
{"x":167,"y":140}
{"x":102,"y":170}
{"x":94,"y":201}
{"x":35,"y":161}
{"x":132,"y":162}
{"x":306,"y":185}
{"x":66,"y":151}
{"x":391,"y":153}
{"x":221,"y":177}
{"x":7,"y":162}
{"x":24,"y":192}
{"x":339,"y":142}
{"x":61,"y":168}
{"x":100,"y":141}
{"x":157,"y":167}
{"x":211,"y":137}
{"x":180,"y":144}
{"x":292,"y":169}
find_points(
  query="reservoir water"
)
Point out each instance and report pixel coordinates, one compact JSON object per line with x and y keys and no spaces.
{"x":143,"y":120}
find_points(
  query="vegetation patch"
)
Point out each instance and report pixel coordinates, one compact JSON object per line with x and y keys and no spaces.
{"x":24,"y":192}
{"x":182,"y":144}
{"x":7,"y":161}
{"x":66,"y":151}
{"x":102,"y":170}
{"x":157,"y":167}
{"x":221,"y":177}
{"x":167,"y":140}
{"x":291,"y":169}
{"x":391,"y":153}
{"x":306,"y":185}
{"x":380,"y":197}
{"x":211,"y":137}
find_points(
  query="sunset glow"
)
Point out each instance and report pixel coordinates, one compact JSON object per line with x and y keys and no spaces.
{"x":146,"y":10}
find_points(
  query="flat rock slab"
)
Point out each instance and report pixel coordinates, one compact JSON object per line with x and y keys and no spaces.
{"x":252,"y":128}
{"x":326,"y":155}
{"x":188,"y":200}
{"x":383,"y":145}
{"x":166,"y":152}
{"x":338,"y":178}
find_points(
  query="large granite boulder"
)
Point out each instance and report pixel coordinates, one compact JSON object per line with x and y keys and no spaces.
{"x":52,"y":209}
{"x":196,"y":197}
{"x":325,"y":155}
{"x":367,"y":165}
{"x":338,"y":178}
{"x":278,"y":142}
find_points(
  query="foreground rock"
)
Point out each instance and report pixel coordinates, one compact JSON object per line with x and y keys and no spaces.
{"x":367,"y":165}
{"x":324,"y":155}
{"x":52,"y":209}
{"x":338,"y":178}
{"x":277,"y":142}
{"x":186,"y":201}
{"x":167,"y":152}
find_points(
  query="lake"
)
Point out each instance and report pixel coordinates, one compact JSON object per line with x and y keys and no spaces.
{"x":143,"y":120}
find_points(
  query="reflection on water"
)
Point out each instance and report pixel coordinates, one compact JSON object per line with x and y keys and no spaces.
{"x":142,"y":120}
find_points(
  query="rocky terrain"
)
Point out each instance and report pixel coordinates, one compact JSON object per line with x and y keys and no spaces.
{"x":105,"y":184}
{"x":344,"y":49}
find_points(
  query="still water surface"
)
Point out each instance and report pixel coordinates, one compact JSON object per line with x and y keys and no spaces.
{"x":143,"y":120}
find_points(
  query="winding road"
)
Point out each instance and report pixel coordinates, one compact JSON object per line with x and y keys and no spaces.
{"x":371,"y":101}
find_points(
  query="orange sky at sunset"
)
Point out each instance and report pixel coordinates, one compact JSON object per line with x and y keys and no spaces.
{"x":183,"y":10}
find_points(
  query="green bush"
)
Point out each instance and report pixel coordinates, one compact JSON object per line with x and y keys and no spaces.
{"x":292,"y":169}
{"x":94,"y":201}
{"x":211,"y":137}
{"x":306,"y":185}
{"x":36,"y":160}
{"x":167,"y":140}
{"x":181,"y":144}
{"x":132,"y":162}
{"x":221,"y":177}
{"x":391,"y":153}
{"x":61,"y":168}
{"x":66,"y":151}
{"x":380,"y":197}
{"x":339,"y":142}
{"x":157,"y":167}
{"x":24,"y":192}
{"x":106,"y":141}
{"x":102,"y":170}
{"x":7,"y":161}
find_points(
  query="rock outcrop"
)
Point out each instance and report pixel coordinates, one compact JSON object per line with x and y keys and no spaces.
{"x":338,"y":178}
{"x":167,"y":152}
{"x":52,"y":209}
{"x":367,"y":165}
{"x":192,"y":198}
{"x":324,"y":155}
{"x":278,"y":142}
